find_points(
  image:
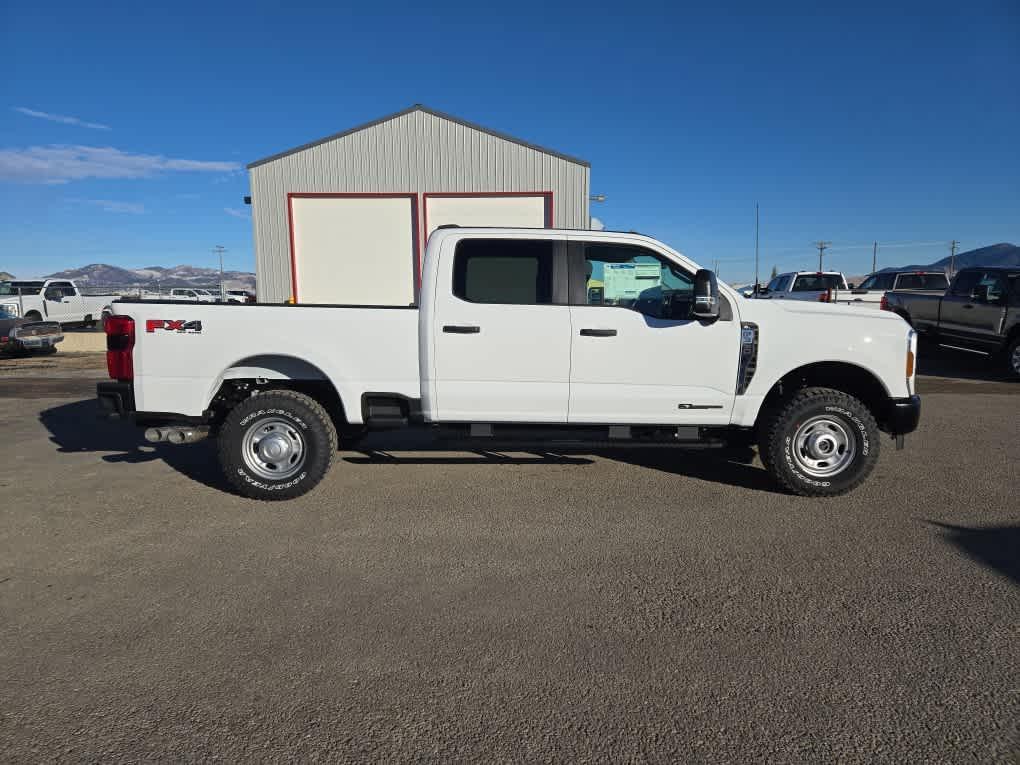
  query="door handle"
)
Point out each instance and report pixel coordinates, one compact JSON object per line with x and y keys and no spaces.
{"x":598,"y":333}
{"x":461,"y":329}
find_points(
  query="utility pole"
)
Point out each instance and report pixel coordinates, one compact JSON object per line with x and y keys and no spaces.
{"x":952,"y":257}
{"x":874,"y":258}
{"x":756,"y":248}
{"x":822,"y":247}
{"x":219,"y":250}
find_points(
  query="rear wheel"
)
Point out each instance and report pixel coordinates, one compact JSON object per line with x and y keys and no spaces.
{"x":820,"y":443}
{"x":276,"y":445}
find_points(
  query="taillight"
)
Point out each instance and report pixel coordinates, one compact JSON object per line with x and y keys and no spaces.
{"x":120,"y":342}
{"x":825,"y":297}
{"x":884,"y":303}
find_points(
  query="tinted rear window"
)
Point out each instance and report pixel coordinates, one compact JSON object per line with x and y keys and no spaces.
{"x":817,"y":282}
{"x":505,"y":271}
{"x":922,"y":282}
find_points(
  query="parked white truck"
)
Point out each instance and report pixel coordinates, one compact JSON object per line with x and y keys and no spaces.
{"x":58,"y":300}
{"x":513,"y":345}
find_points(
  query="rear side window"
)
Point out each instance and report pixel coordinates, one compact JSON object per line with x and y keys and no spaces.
{"x":503,"y":271}
{"x":922,"y":282}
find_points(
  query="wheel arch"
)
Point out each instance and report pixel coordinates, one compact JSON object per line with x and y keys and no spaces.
{"x":853,"y":379}
{"x":274,"y":372}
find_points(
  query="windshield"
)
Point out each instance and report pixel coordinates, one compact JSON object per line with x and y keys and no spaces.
{"x":20,"y":288}
{"x":818,"y":282}
{"x":878,"y":282}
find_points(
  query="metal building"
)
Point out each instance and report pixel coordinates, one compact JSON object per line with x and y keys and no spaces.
{"x":344,"y":219}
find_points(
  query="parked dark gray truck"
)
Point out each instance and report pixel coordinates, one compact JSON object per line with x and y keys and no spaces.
{"x":978,"y":313}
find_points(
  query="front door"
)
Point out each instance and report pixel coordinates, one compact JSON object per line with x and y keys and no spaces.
{"x":637,"y":355}
{"x":974,"y":310}
{"x":502,"y":343}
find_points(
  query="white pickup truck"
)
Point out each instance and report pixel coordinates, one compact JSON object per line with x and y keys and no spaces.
{"x":812,"y":286}
{"x":541,"y":338}
{"x":56,"y":300}
{"x":871,"y":291}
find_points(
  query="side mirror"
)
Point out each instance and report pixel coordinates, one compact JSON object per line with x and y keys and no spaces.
{"x":851,"y":286}
{"x":706,"y":295}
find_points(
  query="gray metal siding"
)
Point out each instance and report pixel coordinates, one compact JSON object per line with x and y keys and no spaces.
{"x":415,"y":153}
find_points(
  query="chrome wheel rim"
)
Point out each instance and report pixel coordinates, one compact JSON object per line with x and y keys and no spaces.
{"x":823,"y":447}
{"x":273,"y":449}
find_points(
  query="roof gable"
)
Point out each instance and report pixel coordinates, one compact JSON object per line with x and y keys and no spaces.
{"x":426,"y":110}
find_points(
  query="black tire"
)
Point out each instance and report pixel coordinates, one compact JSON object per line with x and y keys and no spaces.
{"x":1013,"y":358}
{"x":301,"y":420}
{"x":33,"y":316}
{"x":844,"y":425}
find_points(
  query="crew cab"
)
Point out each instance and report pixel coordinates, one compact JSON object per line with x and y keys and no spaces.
{"x":869,"y":293}
{"x":548,"y":339}
{"x":53,"y":300}
{"x":977,"y":313}
{"x":812,"y":286}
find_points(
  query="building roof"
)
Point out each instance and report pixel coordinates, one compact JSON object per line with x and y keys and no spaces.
{"x":426,"y":110}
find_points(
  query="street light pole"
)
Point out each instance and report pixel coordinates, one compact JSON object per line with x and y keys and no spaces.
{"x":219,"y":250}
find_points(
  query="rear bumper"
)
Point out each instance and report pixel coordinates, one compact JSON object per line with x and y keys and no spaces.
{"x":904,"y":414}
{"x":116,"y":399}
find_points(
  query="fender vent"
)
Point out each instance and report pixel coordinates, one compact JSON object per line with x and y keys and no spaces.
{"x":748,"y":355}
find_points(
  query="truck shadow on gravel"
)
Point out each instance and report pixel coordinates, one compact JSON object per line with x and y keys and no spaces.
{"x":997,"y":547}
{"x":77,"y":427}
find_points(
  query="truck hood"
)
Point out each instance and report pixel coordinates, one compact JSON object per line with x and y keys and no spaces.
{"x":829,"y":309}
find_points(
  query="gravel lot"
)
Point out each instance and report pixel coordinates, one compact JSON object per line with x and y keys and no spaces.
{"x":420,"y":605}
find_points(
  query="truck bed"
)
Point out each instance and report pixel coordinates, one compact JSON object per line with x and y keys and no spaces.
{"x":179,"y":361}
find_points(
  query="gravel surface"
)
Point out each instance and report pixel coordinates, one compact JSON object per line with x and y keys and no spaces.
{"x":652,"y":605}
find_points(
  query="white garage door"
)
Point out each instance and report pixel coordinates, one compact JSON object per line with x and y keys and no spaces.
{"x":528,"y":211}
{"x":354,"y":250}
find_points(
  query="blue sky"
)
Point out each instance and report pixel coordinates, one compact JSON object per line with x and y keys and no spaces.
{"x":124,"y":128}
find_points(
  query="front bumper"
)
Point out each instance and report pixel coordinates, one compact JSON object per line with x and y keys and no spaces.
{"x":904,"y":414}
{"x":116,"y":399}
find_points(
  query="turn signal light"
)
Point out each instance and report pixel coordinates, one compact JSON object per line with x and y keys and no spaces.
{"x":884,"y":303}
{"x":120,"y":342}
{"x":910,"y":364}
{"x":825,"y":297}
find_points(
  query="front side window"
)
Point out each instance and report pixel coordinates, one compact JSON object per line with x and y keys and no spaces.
{"x":505,"y":271}
{"x":775,"y":283}
{"x":635,"y":278}
{"x":965,"y":283}
{"x":878,"y":282}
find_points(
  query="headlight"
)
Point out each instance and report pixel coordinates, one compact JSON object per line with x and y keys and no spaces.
{"x":11,"y":308}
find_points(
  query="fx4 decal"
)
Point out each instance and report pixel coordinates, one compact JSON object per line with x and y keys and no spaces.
{"x":171,"y":325}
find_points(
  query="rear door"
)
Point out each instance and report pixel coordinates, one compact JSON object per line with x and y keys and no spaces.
{"x":501,"y":332}
{"x":637,"y":355}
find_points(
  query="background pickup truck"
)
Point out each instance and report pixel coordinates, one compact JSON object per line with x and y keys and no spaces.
{"x":53,"y":300}
{"x":522,"y":338}
{"x":978,"y":313}
{"x":812,"y":286}
{"x":19,"y":335}
{"x":869,"y":293}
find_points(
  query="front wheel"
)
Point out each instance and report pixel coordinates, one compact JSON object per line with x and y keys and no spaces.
{"x":1013,"y":358}
{"x":820,"y":443}
{"x":276,"y":445}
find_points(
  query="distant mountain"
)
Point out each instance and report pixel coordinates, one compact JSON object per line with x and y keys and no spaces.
{"x":1002,"y":255}
{"x":106,"y":277}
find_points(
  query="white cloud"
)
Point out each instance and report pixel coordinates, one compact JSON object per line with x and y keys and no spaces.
{"x":596,"y":224}
{"x":63,"y":119}
{"x":60,"y":164}
{"x":235,"y":213}
{"x":110,"y":205}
